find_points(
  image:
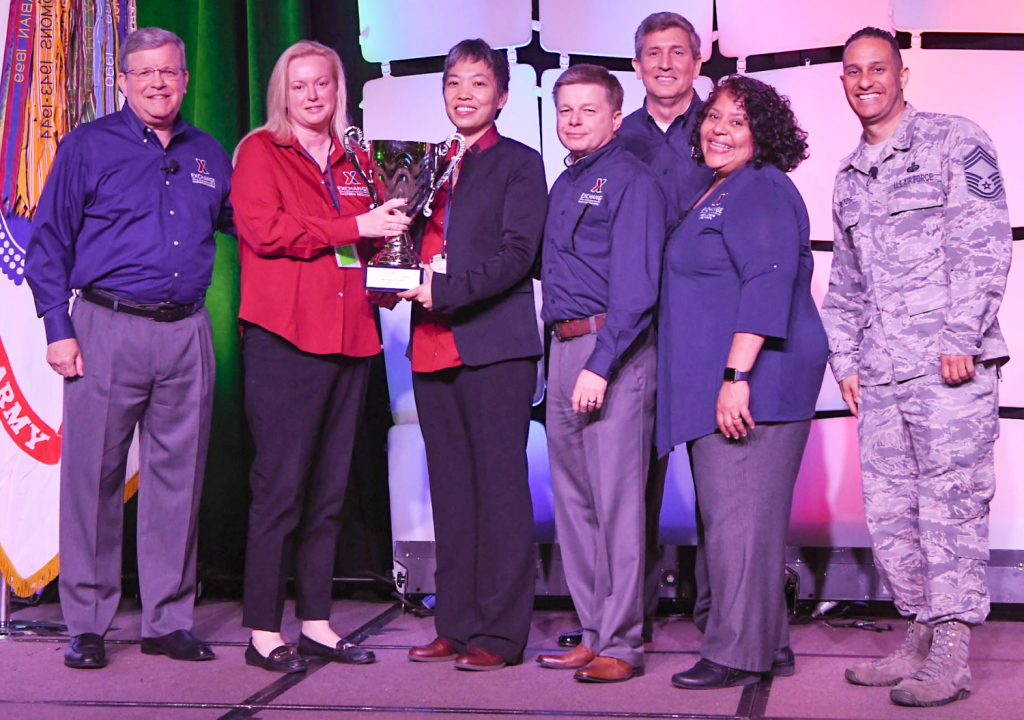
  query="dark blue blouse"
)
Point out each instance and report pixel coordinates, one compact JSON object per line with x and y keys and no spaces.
{"x":739,"y":262}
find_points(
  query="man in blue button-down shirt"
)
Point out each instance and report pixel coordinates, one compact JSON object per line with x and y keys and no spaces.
{"x":128,"y":217}
{"x":667,"y":61}
{"x":602,"y":251}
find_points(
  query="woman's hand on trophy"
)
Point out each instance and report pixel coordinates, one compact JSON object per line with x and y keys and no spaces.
{"x":386,"y":300}
{"x":385,"y":221}
{"x":421,"y":293}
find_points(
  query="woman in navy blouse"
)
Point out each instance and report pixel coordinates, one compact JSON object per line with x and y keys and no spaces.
{"x":741,"y":358}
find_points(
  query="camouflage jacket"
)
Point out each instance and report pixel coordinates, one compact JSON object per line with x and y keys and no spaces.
{"x":921,"y":253}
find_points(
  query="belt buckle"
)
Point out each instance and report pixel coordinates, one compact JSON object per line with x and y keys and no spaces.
{"x":170,"y":314}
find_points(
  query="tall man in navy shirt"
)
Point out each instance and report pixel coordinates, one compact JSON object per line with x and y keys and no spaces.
{"x":667,"y":61}
{"x":128,"y":217}
{"x":602,"y":251}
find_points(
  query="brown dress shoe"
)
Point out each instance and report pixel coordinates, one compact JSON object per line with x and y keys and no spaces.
{"x":476,"y":658}
{"x":438,"y":651}
{"x":580,"y":656}
{"x":607,"y":670}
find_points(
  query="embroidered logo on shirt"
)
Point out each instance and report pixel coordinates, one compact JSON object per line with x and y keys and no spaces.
{"x":914,"y":167}
{"x":710,"y":212}
{"x":352,"y":188}
{"x":202,"y":177}
{"x":594,"y":196}
{"x":982,"y":171}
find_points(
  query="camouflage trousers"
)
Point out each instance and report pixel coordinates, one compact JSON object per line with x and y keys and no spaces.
{"x":929,"y":475}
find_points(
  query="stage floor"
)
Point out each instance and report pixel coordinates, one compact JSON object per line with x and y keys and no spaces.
{"x":34,"y":684}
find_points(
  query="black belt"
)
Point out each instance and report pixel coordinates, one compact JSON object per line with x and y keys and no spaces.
{"x":161,"y":312}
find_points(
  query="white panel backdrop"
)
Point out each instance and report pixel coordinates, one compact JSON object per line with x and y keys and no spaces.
{"x":827,"y":509}
{"x":753,"y":27}
{"x":401,"y":29}
{"x":979,"y":16}
{"x":606,"y":27}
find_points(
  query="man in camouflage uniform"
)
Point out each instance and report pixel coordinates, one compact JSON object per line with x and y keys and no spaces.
{"x":922,"y":251}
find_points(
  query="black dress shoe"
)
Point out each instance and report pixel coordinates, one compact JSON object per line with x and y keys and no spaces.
{"x":282,"y":659}
{"x":343,"y":653}
{"x":706,"y":675}
{"x":571,"y":638}
{"x":86,"y":652}
{"x":783,"y":663}
{"x":178,"y":645}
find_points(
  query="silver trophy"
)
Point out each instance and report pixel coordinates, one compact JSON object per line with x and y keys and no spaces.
{"x":411,"y":170}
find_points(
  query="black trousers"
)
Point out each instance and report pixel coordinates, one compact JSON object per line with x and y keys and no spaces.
{"x":303,"y":410}
{"x":475,"y":424}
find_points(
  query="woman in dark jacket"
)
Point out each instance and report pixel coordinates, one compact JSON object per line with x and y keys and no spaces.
{"x":475,"y":346}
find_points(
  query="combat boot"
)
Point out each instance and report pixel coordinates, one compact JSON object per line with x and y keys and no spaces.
{"x":944,"y":676}
{"x":900,"y":664}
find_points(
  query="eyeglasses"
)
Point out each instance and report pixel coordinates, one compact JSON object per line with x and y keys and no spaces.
{"x":146,"y":74}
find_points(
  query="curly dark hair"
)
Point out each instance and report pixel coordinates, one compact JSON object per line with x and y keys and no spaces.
{"x":778,"y":139}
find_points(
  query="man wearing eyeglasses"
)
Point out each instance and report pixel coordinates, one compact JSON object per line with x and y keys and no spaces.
{"x":127,"y":218}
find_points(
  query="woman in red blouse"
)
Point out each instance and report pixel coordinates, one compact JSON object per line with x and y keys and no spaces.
{"x":308,"y":333}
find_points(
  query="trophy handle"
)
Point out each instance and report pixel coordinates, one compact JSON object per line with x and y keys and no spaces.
{"x":460,"y":150}
{"x":354,"y":134}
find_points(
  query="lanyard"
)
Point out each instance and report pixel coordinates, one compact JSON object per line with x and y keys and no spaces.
{"x":328,"y":176}
{"x":447,"y":213}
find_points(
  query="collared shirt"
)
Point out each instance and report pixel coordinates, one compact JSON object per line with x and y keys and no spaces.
{"x":121,"y":213}
{"x":669,"y":154}
{"x":289,"y":223}
{"x":921,"y":253}
{"x":433,"y":342}
{"x":739,"y":262}
{"x":603,"y":242}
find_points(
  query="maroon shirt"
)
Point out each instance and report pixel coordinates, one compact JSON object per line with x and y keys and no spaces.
{"x":433,"y":342}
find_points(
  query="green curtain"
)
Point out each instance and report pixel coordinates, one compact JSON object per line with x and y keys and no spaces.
{"x":231,"y":47}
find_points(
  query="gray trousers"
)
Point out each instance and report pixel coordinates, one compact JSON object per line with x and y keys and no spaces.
{"x":744,"y":497}
{"x":927,"y":462}
{"x":599,"y":465}
{"x":161,"y":376}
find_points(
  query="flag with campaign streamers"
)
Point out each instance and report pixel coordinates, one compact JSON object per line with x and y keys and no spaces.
{"x":59,"y":70}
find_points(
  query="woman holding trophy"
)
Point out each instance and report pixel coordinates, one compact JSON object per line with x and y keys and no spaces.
{"x":475,"y":346}
{"x":308,"y":333}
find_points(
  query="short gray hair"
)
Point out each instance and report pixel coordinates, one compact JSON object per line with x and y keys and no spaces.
{"x":664,"y":21}
{"x":148,"y":38}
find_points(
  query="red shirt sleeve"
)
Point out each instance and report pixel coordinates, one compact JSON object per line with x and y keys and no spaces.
{"x":262,"y":221}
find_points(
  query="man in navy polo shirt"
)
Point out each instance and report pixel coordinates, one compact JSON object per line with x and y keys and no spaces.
{"x":128,"y":217}
{"x":667,"y":61}
{"x":602,"y":252}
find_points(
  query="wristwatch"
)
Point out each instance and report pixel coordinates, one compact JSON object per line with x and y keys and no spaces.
{"x":734,"y":375}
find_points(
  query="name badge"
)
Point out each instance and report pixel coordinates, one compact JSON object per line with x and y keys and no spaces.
{"x":439,"y":264}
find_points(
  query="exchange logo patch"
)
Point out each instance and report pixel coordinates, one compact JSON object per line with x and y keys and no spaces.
{"x":203,"y":177}
{"x":982,"y":171}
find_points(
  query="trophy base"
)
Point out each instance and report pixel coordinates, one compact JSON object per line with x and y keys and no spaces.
{"x":383,"y":278}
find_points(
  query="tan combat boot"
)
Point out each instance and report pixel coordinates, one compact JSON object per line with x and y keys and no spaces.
{"x":944,"y":676}
{"x":900,"y":664}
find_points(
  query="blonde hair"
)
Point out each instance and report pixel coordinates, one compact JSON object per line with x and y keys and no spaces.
{"x":278,"y":124}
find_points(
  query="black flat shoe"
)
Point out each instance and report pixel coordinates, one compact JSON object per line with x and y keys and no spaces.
{"x":178,"y":645}
{"x":707,"y":675}
{"x":571,"y":638}
{"x":86,"y":652}
{"x":346,"y":653}
{"x":783,"y":663}
{"x":282,"y":659}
